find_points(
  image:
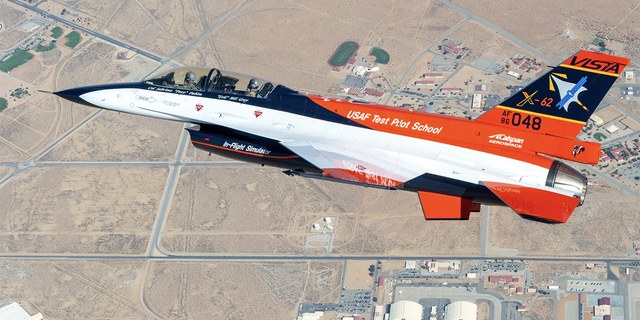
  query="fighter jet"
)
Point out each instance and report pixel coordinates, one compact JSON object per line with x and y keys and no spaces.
{"x":509,"y":156}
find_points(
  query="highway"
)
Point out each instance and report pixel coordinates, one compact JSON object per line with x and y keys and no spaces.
{"x":211,"y":257}
{"x":125,"y":164}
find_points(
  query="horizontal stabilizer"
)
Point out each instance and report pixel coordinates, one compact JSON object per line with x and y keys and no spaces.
{"x":440,"y":206}
{"x":535,"y":202}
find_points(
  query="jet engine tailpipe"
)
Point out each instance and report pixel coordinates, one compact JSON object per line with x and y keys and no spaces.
{"x":561,"y":176}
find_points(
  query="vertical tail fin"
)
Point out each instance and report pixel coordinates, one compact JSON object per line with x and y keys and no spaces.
{"x":560,"y":102}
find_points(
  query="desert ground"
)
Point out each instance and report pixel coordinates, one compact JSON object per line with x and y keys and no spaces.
{"x":616,"y":23}
{"x":114,"y":198}
{"x":357,"y":276}
{"x":614,"y":233}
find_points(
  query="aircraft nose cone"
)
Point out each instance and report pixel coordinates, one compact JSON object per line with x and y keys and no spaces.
{"x":74,"y":94}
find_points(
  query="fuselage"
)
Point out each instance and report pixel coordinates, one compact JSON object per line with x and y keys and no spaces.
{"x":343,"y":139}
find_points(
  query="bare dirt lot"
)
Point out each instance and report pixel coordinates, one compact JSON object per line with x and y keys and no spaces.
{"x":357,"y":276}
{"x":114,"y":136}
{"x":76,"y":289}
{"x":545,"y":271}
{"x":11,"y":18}
{"x":616,"y":219}
{"x":483,"y":42}
{"x":248,"y":202}
{"x":28,"y":71}
{"x":520,"y":18}
{"x":267,"y":290}
{"x":540,"y":309}
{"x":80,"y":210}
{"x":266,"y":48}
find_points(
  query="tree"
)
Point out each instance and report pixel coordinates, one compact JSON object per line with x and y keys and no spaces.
{"x":372,"y":268}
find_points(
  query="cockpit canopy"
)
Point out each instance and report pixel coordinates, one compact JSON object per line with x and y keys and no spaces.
{"x":213,"y":80}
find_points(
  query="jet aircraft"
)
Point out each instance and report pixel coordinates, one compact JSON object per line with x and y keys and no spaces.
{"x":508,"y":156}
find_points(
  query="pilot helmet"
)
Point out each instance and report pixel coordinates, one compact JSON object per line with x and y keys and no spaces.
{"x":191,"y":76}
{"x":254,"y":83}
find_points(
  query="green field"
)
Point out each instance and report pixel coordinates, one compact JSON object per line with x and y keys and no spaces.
{"x":381,"y":55}
{"x":74,"y":39}
{"x":599,"y":136}
{"x":3,"y":104}
{"x":41,"y":48}
{"x":597,"y":42}
{"x":342,"y":55}
{"x":18,"y":58}
{"x":56,"y":32}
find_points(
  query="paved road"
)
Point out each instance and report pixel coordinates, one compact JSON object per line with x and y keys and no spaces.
{"x":210,"y":257}
{"x":485,"y":231}
{"x":172,"y":181}
{"x":125,"y":164}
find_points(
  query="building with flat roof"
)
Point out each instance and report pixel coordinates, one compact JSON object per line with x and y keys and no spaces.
{"x":612,"y":128}
{"x":405,"y":310}
{"x":461,"y":310}
{"x":597,"y":120}
{"x":500,"y":278}
{"x":609,"y":113}
{"x":630,"y":123}
{"x":477,"y":101}
{"x":373,"y":92}
{"x":29,"y":26}
{"x":14,"y":311}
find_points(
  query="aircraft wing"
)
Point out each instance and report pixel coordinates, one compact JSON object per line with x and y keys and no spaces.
{"x":549,"y":204}
{"x":352,"y":162}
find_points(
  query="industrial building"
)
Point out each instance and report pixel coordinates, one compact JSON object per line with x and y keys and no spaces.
{"x":461,"y":310}
{"x":407,"y":310}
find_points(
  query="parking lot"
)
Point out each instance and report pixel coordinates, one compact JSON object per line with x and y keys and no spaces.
{"x":590,"y":286}
{"x":313,"y":307}
{"x":355,"y":301}
{"x":505,"y":266}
